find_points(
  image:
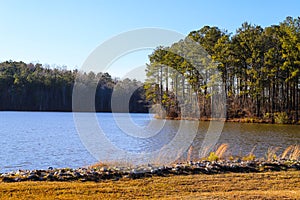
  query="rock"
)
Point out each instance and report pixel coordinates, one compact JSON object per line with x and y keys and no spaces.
{"x":116,"y":173}
{"x":18,"y":179}
{"x":77,"y":174}
{"x":8,"y":179}
{"x":33,"y":177}
{"x":50,"y":177}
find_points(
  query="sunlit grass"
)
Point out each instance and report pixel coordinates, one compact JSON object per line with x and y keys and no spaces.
{"x":271,"y":185}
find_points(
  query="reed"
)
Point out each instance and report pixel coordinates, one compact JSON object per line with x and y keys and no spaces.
{"x":190,"y":153}
{"x":271,"y":153}
{"x":292,"y":152}
{"x":287,"y":151}
{"x":221,"y":150}
{"x":179,"y":158}
{"x":295,"y":153}
{"x":204,"y":152}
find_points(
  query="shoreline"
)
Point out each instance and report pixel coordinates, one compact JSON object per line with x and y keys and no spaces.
{"x":248,"y":120}
{"x":98,"y":173}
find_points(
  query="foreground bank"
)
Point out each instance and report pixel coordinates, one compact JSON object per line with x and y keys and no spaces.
{"x":266,"y":185}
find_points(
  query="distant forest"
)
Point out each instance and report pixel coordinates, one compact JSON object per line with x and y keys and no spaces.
{"x":258,"y":67}
{"x":29,"y":87}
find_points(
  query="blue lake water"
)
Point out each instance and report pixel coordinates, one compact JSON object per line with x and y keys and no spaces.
{"x":38,"y":140}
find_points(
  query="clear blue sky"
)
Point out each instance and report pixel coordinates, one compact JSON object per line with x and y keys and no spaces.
{"x":65,"y":32}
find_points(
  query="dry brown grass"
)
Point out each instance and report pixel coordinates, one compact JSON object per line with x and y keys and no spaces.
{"x":189,"y":153}
{"x":292,"y":152}
{"x":271,"y":153}
{"x":204,"y":152}
{"x":221,"y":150}
{"x":271,"y":185}
{"x":286,"y":151}
{"x":111,"y":163}
{"x":295,"y":153}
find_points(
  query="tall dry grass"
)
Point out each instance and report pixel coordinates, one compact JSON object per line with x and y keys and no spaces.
{"x":190,"y":153}
{"x":271,"y":153}
{"x":292,"y":152}
{"x":287,"y":151}
{"x":295,"y":153}
{"x":221,"y":150}
{"x":204,"y":152}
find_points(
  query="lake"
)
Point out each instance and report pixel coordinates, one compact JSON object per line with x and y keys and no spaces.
{"x":38,"y":140}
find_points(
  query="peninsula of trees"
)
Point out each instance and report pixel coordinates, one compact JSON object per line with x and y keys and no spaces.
{"x":258,"y":67}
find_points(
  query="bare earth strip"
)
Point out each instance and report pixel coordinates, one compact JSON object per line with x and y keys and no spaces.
{"x":269,"y":185}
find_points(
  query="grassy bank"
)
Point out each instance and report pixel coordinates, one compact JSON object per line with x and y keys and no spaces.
{"x":269,"y":185}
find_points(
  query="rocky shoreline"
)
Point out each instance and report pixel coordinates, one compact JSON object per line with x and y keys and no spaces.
{"x":100,"y":173}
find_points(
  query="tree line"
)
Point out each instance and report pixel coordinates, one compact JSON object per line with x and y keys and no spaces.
{"x":33,"y":87}
{"x":258,"y":68}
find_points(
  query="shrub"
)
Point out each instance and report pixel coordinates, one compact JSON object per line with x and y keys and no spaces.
{"x":212,"y":157}
{"x":250,"y":157}
{"x":281,"y":118}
